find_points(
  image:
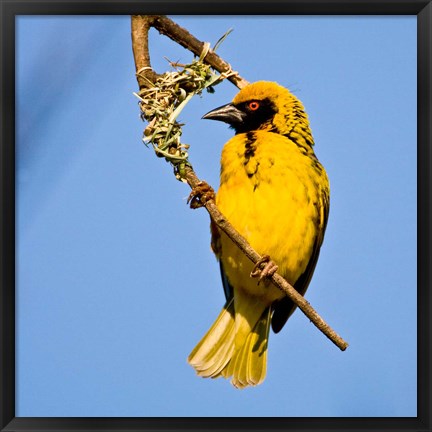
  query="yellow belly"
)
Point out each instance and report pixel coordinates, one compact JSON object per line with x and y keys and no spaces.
{"x":271,"y":195}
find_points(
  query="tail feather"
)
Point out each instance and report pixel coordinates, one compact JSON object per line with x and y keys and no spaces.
{"x":215,"y":349}
{"x":217,"y":361}
{"x":249,"y":366}
{"x":231,"y":348}
{"x":257,"y":361}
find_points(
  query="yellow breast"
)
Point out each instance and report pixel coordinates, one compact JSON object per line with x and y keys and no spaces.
{"x":271,"y":192}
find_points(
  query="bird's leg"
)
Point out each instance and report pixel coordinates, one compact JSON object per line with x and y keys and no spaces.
{"x":201,"y":194}
{"x":264,"y":268}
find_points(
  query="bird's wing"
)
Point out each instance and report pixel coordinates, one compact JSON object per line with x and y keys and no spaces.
{"x":215,"y":239}
{"x":285,"y":307}
{"x":227,"y":287}
{"x":216,"y":247}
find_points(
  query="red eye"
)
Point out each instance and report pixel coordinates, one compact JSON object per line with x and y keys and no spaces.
{"x":254,"y":105}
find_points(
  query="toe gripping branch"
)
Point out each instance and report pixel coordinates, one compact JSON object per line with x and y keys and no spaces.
{"x":264,"y":268}
{"x":200,"y":195}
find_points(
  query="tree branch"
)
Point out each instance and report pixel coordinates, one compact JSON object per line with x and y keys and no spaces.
{"x":140,"y":28}
{"x":180,"y":35}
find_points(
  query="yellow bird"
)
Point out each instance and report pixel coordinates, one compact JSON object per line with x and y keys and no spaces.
{"x":275,"y":193}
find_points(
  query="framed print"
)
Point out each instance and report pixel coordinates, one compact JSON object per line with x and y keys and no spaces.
{"x":109,"y":279}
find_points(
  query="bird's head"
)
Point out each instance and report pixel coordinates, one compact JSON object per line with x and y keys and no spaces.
{"x":267,"y":106}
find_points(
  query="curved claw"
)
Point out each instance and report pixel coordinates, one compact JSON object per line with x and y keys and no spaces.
{"x":200,"y":195}
{"x":264,"y":268}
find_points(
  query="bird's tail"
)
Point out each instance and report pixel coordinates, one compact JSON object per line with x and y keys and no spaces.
{"x":233,"y":347}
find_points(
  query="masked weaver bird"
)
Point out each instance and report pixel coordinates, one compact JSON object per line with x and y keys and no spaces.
{"x":275,"y":193}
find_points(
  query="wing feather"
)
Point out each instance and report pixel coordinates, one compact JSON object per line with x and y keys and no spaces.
{"x":284,"y":308}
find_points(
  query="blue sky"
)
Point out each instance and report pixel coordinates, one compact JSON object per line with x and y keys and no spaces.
{"x":116,"y":282}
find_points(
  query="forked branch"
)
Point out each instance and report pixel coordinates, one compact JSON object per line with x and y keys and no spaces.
{"x":145,"y":77}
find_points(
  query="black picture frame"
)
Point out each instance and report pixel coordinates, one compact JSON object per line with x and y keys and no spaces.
{"x":11,"y":8}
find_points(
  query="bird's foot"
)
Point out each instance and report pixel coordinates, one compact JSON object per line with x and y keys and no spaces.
{"x":200,"y":195}
{"x":264,"y":268}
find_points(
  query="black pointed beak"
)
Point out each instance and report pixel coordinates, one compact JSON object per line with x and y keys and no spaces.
{"x":226,"y":113}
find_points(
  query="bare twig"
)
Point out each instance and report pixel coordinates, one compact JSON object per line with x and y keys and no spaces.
{"x":167,"y":27}
{"x":140,"y":27}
